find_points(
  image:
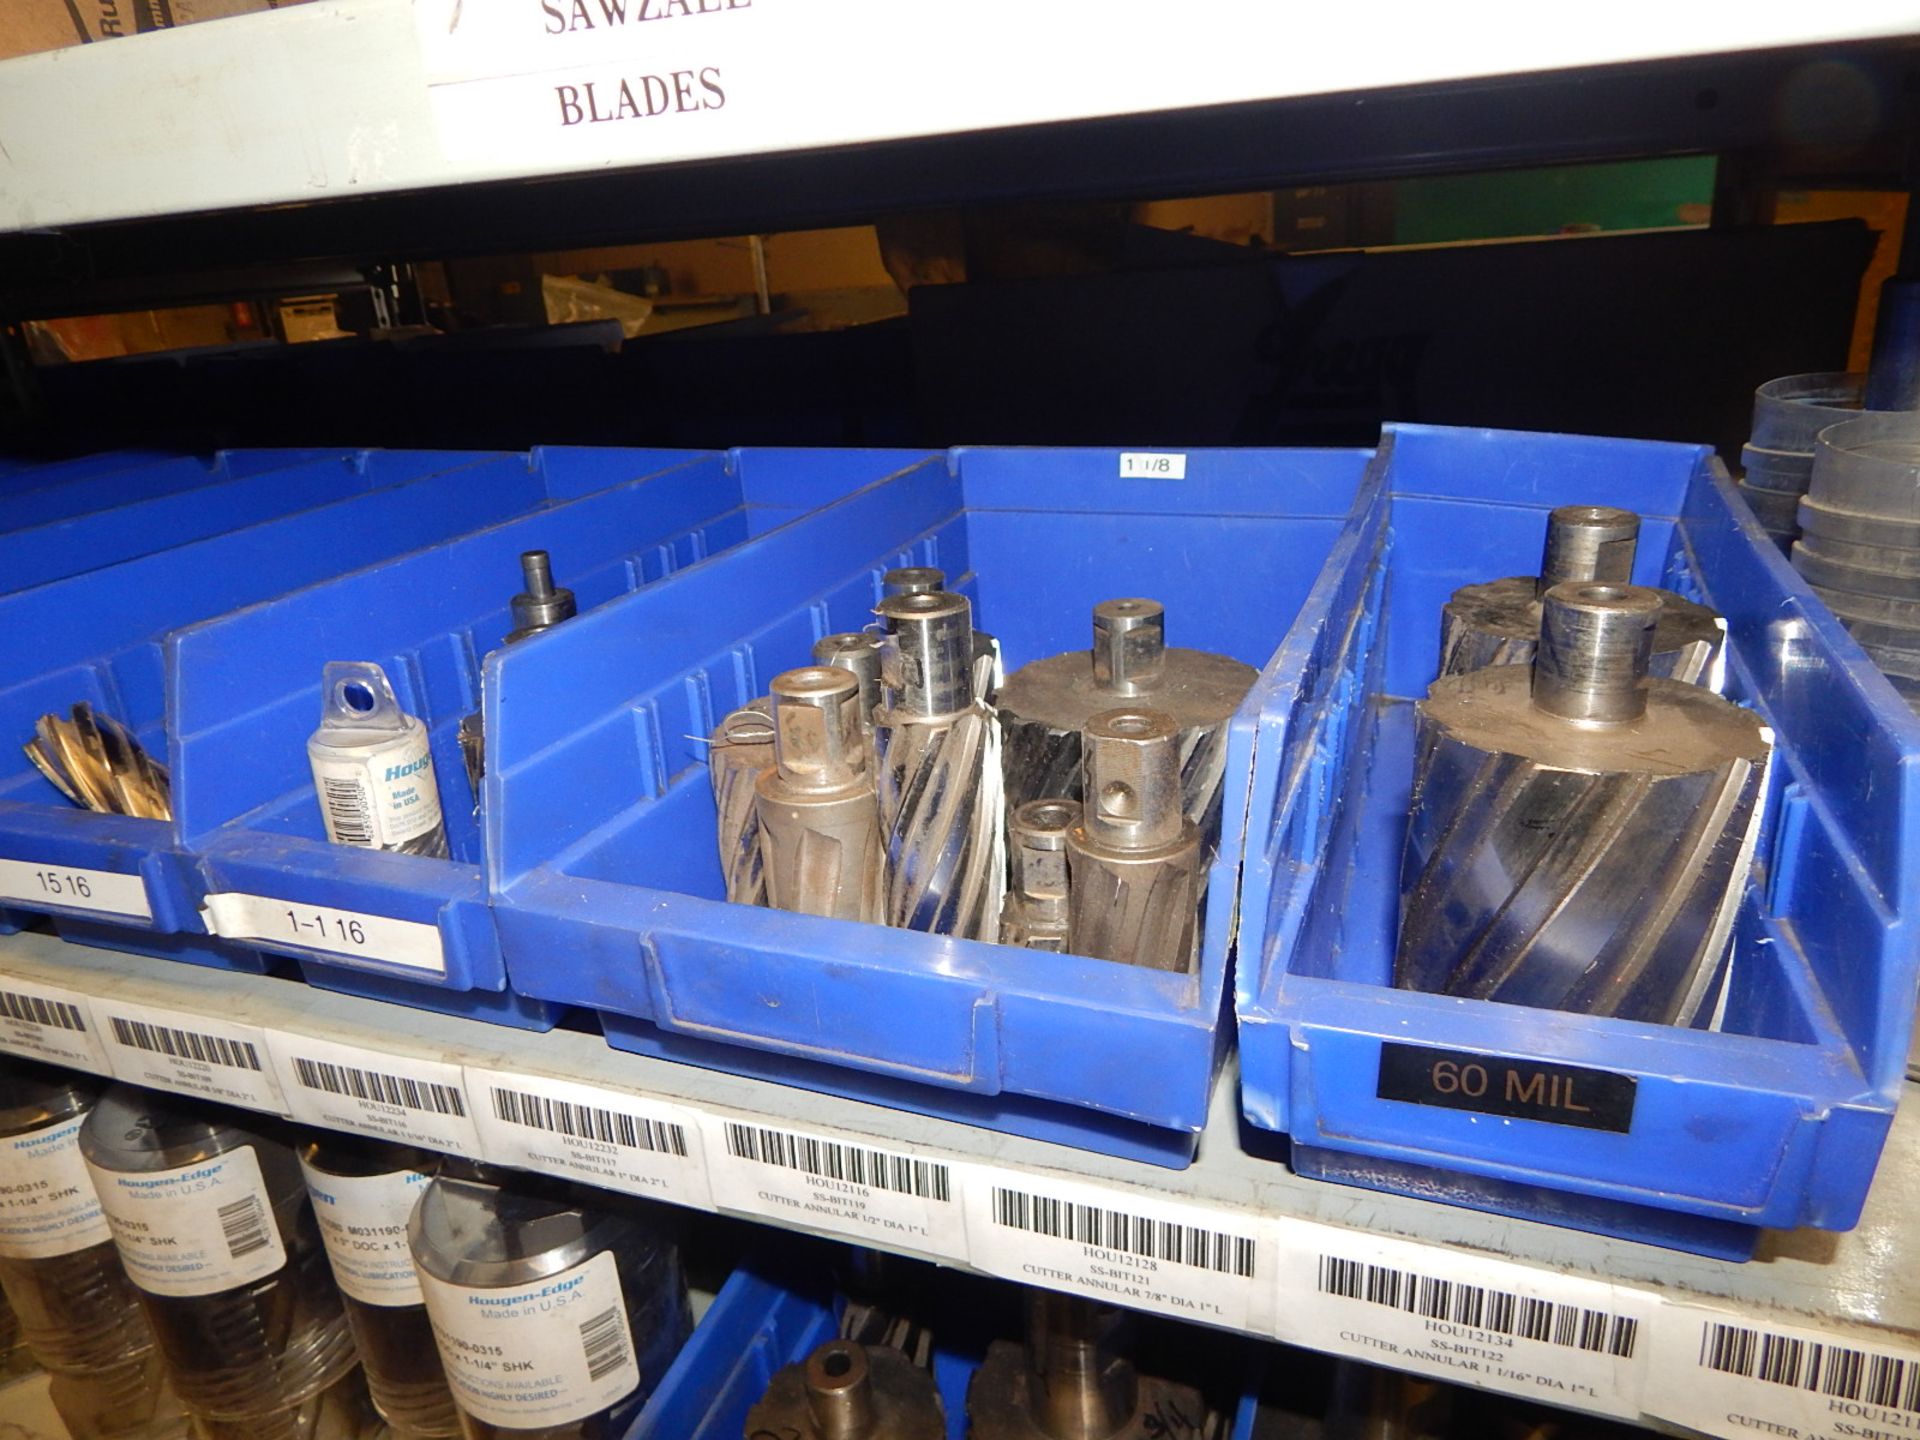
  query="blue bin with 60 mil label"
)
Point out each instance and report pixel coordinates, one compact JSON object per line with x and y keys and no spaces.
{"x":1771,"y":1111}
{"x":246,"y":690}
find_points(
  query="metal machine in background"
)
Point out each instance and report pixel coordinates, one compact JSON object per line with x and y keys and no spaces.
{"x":1580,"y":834}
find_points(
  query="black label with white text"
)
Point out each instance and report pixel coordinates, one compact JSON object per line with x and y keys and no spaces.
{"x":1496,"y":1085}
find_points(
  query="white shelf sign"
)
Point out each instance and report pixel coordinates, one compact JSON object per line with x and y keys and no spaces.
{"x":1138,"y":465}
{"x":1730,"y":1375}
{"x":1119,"y":1245}
{"x":1470,"y":1319}
{"x":191,"y":1052}
{"x":604,"y":1137}
{"x":845,"y":1186}
{"x":49,"y":1022}
{"x":293,"y":924}
{"x":405,"y":1098}
{"x":70,"y":887}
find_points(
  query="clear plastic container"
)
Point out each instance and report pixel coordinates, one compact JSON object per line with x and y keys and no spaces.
{"x":363,"y":1191}
{"x":75,"y":1307}
{"x":213,"y":1225}
{"x":373,"y":766}
{"x":557,"y":1309}
{"x":1870,"y":466}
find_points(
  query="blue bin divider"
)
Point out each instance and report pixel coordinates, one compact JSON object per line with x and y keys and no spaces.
{"x":45,"y":493}
{"x":1775,"y":1120}
{"x":38,"y":554}
{"x":97,"y":637}
{"x":606,"y":887}
{"x":245,"y":695}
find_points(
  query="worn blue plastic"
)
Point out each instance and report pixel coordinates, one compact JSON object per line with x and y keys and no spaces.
{"x":245,"y":694}
{"x":1778,"y":1119}
{"x":240,"y":491}
{"x":97,"y":637}
{"x":606,"y":885}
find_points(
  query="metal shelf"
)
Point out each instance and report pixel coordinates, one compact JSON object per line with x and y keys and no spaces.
{"x":1235,"y":1240}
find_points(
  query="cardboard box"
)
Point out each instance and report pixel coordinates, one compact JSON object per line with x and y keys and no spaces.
{"x":30,"y":26}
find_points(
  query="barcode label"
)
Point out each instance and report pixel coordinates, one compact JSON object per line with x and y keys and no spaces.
{"x":1467,"y":1318}
{"x":1500,"y":1312}
{"x":1137,"y":1235}
{"x":180,"y":1044}
{"x":589,"y":1122}
{"x":409,"y":1099}
{"x":1130,"y":1247}
{"x":48,"y":1023}
{"x":378,"y":1087}
{"x":198,"y":1054}
{"x":843,"y":1185}
{"x":1711,"y":1366}
{"x":831,"y":1160}
{"x":39,"y":1010}
{"x":586,"y":1132}
{"x":349,"y":817}
{"x":244,"y":1226}
{"x":603,"y":1343}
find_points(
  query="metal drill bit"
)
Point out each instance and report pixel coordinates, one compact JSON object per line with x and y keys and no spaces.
{"x":1072,"y":1380}
{"x":1581,"y":834}
{"x":819,"y":827}
{"x":1496,"y":623}
{"x":1035,"y":914}
{"x":1044,"y":707}
{"x":989,"y":673}
{"x":857,"y":651}
{"x":96,"y":762}
{"x":541,"y":606}
{"x":938,"y":754}
{"x":1133,"y":861}
{"x":848,"y":1391}
{"x":740,"y":748}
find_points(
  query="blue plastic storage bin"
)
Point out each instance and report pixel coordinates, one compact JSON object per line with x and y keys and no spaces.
{"x":245,"y":695}
{"x":1778,"y":1119}
{"x":96,"y":637}
{"x":241,"y":488}
{"x":60,"y":490}
{"x":600,"y":818}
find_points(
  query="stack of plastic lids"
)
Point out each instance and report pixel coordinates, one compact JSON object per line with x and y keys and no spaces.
{"x":1778,"y":458}
{"x":1859,"y":545}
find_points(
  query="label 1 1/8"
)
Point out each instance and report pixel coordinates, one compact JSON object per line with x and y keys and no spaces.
{"x":70,"y":888}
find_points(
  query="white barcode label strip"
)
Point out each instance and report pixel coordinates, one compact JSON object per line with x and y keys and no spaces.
{"x":378,"y":1086}
{"x":47,"y":1022}
{"x":1468,"y":1318}
{"x":831,"y":1160}
{"x":1501,"y":1312}
{"x":301,"y":928}
{"x":596,"y":1134}
{"x":405,"y":1098}
{"x":199,"y":1054}
{"x":243,"y":1225}
{"x":36,"y":885}
{"x":843,"y":1185}
{"x":349,"y":816}
{"x":1711,"y":1366}
{"x":1117,"y":1244}
{"x":589,"y":1122}
{"x":181,"y":1044}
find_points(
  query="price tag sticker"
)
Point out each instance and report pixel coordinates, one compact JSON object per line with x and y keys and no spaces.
{"x":101,"y":892}
{"x":1138,"y":465}
{"x":1120,"y":1245}
{"x":843,"y":1185}
{"x":1470,"y":1319}
{"x":611,"y":1138}
{"x":48,"y":1022}
{"x":406,"y":1098}
{"x":194,"y":1054}
{"x":295,"y":925}
{"x":1727,"y":1374}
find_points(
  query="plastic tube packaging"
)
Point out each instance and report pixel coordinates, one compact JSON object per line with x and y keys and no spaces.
{"x":363,"y":1193}
{"x":212,"y":1222}
{"x":581,"y":1290}
{"x":373,"y":766}
{"x":76,"y":1309}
